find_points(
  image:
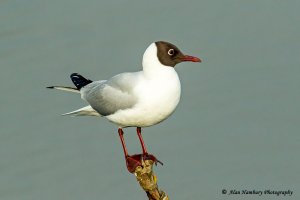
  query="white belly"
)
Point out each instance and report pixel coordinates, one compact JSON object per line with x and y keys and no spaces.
{"x":158,"y":99}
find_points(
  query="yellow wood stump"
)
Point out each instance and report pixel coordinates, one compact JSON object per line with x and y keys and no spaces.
{"x":148,"y":181}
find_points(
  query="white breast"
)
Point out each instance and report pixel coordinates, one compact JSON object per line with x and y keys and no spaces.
{"x":158,"y":91}
{"x":157,"y":100}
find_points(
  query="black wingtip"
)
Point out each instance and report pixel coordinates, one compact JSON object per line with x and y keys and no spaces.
{"x":74,"y":74}
{"x":50,"y":87}
{"x":79,"y":81}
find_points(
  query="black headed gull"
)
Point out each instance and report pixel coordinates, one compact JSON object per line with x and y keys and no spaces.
{"x":137,"y":99}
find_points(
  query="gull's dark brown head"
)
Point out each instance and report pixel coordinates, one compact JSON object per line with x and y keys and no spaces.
{"x":169,"y":55}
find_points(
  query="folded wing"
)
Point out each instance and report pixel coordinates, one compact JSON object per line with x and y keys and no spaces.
{"x":107,"y":97}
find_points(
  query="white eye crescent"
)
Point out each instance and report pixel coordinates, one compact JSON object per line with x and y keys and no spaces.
{"x":171,"y":52}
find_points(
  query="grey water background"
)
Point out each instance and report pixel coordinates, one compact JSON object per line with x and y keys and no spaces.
{"x":236,"y":127}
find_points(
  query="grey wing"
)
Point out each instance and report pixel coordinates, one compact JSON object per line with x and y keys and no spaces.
{"x":107,"y":97}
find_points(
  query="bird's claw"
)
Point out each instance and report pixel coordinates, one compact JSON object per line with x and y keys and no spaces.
{"x":151,"y":157}
{"x":133,"y":161}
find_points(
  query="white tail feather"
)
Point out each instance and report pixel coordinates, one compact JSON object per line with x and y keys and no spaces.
{"x":85,"y":111}
{"x":63,"y":88}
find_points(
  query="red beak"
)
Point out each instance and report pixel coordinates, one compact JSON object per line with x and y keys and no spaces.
{"x":188,"y":58}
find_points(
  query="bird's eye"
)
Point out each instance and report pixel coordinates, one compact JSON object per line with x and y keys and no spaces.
{"x":171,"y":52}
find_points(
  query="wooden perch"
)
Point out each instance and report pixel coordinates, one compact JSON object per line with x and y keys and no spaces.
{"x":148,"y":181}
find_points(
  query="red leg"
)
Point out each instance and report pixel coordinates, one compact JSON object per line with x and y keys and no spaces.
{"x":134,"y":161}
{"x":131,"y":161}
{"x":138,"y":131}
{"x":121,"y":133}
{"x":145,"y":152}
